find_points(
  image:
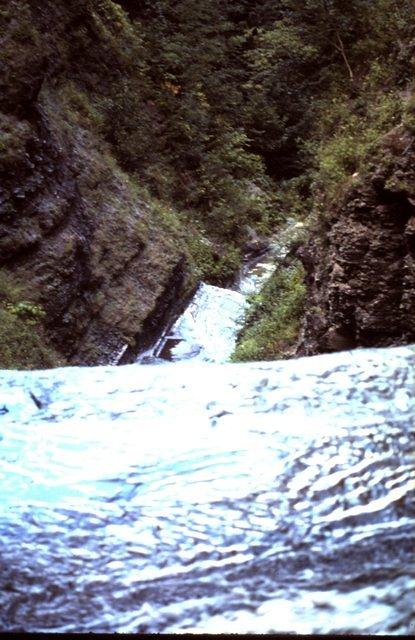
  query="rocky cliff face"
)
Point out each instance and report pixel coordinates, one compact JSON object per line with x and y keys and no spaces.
{"x":73,"y":228}
{"x":361,"y":263}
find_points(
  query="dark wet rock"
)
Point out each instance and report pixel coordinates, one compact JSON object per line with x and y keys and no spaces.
{"x":72,"y":228}
{"x":361,"y":268}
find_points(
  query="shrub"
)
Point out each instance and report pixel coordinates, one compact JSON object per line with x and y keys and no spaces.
{"x":352,"y":130}
{"x":409,"y":114}
{"x":22,"y":343}
{"x":273,"y":318}
{"x":21,"y":347}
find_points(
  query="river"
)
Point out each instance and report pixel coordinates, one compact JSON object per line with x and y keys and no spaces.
{"x":207,"y":330}
{"x":199,"y":496}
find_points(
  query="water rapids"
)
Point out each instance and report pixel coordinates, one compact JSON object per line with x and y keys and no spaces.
{"x":208,"y":328}
{"x":267,"y":497}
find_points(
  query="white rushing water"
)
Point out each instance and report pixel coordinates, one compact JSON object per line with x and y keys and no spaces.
{"x":264,"y":497}
{"x":208,"y":328}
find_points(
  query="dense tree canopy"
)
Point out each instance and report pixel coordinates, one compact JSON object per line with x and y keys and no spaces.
{"x":252,"y":72}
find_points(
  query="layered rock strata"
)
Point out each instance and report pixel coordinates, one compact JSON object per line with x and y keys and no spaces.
{"x":361,"y":263}
{"x":73,"y":229}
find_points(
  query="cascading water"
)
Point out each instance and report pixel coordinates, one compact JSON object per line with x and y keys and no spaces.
{"x":194,"y":496}
{"x":208,"y":328}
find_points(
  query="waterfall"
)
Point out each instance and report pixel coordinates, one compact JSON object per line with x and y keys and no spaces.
{"x":207,"y":330}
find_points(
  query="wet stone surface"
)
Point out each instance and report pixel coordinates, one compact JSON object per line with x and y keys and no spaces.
{"x":266,"y":497}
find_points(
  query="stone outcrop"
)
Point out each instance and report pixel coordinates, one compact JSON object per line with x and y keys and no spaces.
{"x":361,"y":262}
{"x":73,"y":229}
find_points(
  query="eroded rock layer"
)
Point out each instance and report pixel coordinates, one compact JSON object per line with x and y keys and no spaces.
{"x":361,"y":266}
{"x":73,"y":229}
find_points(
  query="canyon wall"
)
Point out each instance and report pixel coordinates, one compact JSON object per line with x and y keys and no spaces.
{"x":75,"y":233}
{"x":360,"y":262}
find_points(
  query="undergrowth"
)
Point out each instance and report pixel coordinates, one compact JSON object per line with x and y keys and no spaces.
{"x":274,"y":316}
{"x":22,"y":343}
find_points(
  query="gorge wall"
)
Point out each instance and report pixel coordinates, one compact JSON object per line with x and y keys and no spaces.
{"x":74,"y":229}
{"x":74,"y":232}
{"x":361,"y":266}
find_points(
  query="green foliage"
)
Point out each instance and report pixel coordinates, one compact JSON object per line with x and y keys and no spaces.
{"x":212,"y":261}
{"x":218,"y":94}
{"x":22,"y":344}
{"x":214,"y":264}
{"x":10,"y":292}
{"x":409,"y":114}
{"x":21,"y":347}
{"x":363,"y":62}
{"x":27,"y":311}
{"x":106,"y":31}
{"x":174,"y":120}
{"x":273,"y":318}
{"x":281,"y":65}
{"x":357,"y":127}
{"x":80,"y":107}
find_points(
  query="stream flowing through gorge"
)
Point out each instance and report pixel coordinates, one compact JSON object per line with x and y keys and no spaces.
{"x":207,"y":329}
{"x":201,"y":496}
